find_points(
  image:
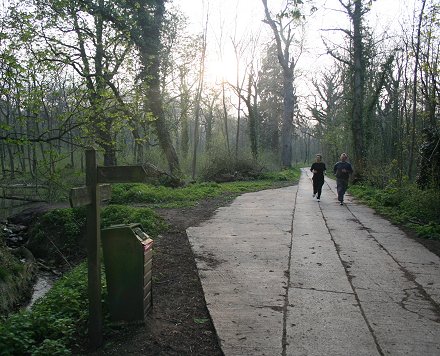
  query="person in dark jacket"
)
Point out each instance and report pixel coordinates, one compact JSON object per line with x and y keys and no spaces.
{"x":318,"y":169}
{"x":342,"y":171}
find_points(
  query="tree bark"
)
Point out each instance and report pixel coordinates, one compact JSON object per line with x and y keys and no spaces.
{"x":288,"y":93}
{"x":198,"y":100}
{"x":225,"y":118}
{"x":414,"y":96}
{"x":357,"y":122}
{"x":149,"y":45}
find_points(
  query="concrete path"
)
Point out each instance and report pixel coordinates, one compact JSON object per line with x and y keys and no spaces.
{"x":285,"y":275}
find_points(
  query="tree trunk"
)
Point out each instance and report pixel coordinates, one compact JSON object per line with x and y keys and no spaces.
{"x":184,"y":125}
{"x":8,"y":146}
{"x":287,"y":65}
{"x":237,"y":134}
{"x":288,"y":105}
{"x":2,"y":158}
{"x":209,"y":118}
{"x":225,"y":118}
{"x":414,"y":97}
{"x":357,"y":123}
{"x":252,"y":109}
{"x":149,"y":47}
{"x":198,"y":101}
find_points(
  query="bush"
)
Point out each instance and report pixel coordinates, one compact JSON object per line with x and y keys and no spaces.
{"x":122,"y":214}
{"x":221,"y":164}
{"x":50,"y":326}
{"x":17,"y":272}
{"x":408,"y":205}
{"x":58,"y":234}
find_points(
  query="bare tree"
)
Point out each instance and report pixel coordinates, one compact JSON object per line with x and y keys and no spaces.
{"x":199,"y":98}
{"x":284,"y":38}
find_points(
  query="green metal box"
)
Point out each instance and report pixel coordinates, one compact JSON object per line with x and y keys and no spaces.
{"x":128,"y":253}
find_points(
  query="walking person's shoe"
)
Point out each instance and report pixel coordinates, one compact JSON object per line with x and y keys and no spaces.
{"x":318,"y":199}
{"x":341,"y":203}
{"x":314,"y":195}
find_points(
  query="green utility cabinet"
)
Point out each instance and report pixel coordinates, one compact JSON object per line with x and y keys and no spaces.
{"x":128,"y":253}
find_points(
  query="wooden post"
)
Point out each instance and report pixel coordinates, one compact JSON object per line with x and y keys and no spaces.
{"x":91,"y":195}
{"x":93,"y":252}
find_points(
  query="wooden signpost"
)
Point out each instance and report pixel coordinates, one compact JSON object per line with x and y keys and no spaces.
{"x":91,"y":196}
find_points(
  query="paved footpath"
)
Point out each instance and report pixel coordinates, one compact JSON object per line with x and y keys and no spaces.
{"x":285,"y":275}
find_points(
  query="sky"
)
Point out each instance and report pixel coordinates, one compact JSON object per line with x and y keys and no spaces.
{"x":242,"y":19}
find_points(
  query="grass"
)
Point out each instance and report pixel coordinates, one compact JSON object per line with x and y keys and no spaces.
{"x":165,"y":197}
{"x":409,"y":206}
{"x":58,"y":321}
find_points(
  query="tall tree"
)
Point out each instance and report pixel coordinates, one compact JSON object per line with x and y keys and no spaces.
{"x":270,"y":84}
{"x":356,"y":11}
{"x":198,"y":100}
{"x":94,"y":51}
{"x":327,"y":111}
{"x":284,"y":38}
{"x":414,"y":98}
{"x":142,"y":22}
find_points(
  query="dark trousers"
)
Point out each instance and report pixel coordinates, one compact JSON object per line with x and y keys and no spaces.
{"x":317,"y":186}
{"x":341,"y":187}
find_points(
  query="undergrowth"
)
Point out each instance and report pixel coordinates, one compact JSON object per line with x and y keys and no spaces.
{"x":58,"y":321}
{"x":166,"y":197}
{"x":55,"y":321}
{"x":406,"y":205}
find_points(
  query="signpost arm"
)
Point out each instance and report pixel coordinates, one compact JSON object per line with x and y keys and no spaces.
{"x":93,"y":252}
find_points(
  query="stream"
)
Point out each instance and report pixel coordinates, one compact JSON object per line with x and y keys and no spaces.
{"x":45,"y":278}
{"x":44,"y":282}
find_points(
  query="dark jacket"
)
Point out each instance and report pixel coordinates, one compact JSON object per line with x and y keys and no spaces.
{"x":319,"y":167}
{"x":337,"y":170}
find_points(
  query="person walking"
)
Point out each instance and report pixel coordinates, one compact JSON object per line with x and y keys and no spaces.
{"x":318,"y":169}
{"x":342,"y":171}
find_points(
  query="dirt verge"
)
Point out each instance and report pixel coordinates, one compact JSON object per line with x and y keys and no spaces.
{"x":179,"y":323}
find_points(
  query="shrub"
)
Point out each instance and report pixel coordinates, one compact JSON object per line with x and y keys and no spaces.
{"x":50,"y":326}
{"x":220,"y":164}
{"x":122,"y":214}
{"x":58,"y":233}
{"x":408,"y":205}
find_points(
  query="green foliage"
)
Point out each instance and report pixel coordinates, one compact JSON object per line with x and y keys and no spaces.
{"x":189,"y":195}
{"x":60,"y":233}
{"x":122,"y":214}
{"x":15,"y":277}
{"x":60,"y":317}
{"x":51,"y":347}
{"x":382,"y":175}
{"x":291,"y":175}
{"x":57,"y":232}
{"x":50,"y":326}
{"x":144,"y":193}
{"x":407,"y":205}
{"x":429,"y":170}
{"x":10,"y":266}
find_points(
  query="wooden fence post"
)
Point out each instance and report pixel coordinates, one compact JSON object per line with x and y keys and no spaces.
{"x":93,"y":251}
